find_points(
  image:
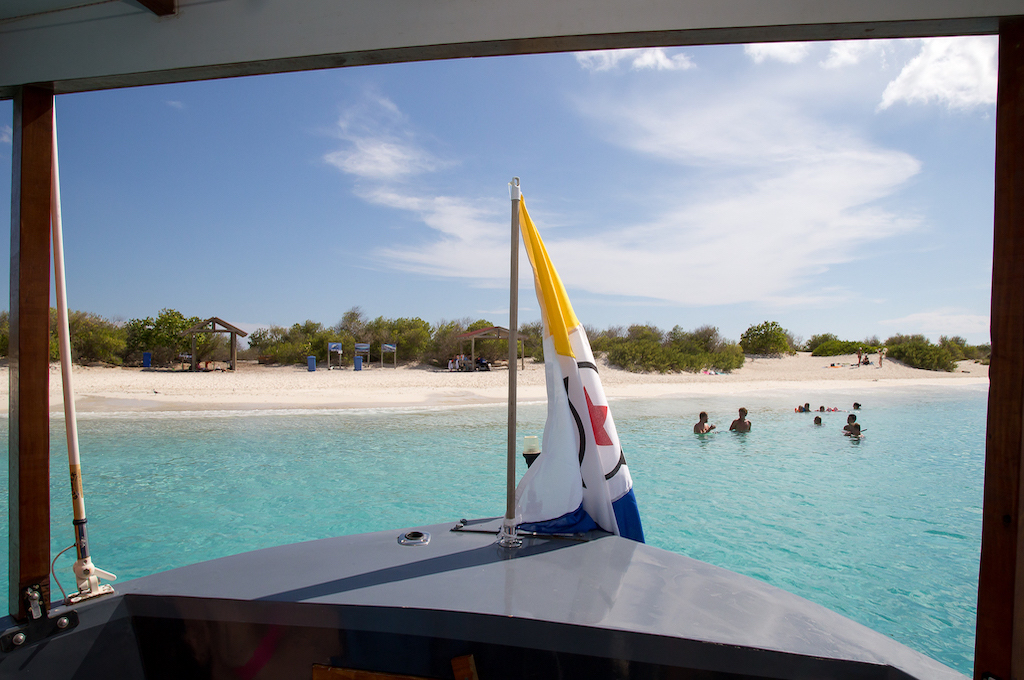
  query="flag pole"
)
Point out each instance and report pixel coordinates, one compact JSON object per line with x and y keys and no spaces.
{"x":87,"y":575}
{"x":509,"y":539}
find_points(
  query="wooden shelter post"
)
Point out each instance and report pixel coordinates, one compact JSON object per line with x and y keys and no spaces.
{"x":999,"y":645}
{"x":29,"y":353}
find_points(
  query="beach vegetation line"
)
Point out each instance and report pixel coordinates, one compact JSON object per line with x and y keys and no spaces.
{"x":646,"y":348}
{"x":916,"y":351}
{"x":638,"y":348}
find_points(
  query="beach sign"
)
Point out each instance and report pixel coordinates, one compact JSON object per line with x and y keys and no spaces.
{"x":580,"y":481}
{"x":333,"y":348}
{"x":385,"y":347}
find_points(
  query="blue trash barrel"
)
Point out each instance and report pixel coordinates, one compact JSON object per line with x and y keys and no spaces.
{"x":147,"y":359}
{"x":311,"y":362}
{"x":359,"y":364}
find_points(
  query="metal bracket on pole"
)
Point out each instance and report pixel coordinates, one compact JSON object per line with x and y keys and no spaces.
{"x":88,"y":577}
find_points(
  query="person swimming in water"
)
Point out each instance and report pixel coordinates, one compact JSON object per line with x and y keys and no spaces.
{"x":851,"y":420}
{"x":855,"y":431}
{"x":817,"y":420}
{"x":741,"y":424}
{"x":703,"y":426}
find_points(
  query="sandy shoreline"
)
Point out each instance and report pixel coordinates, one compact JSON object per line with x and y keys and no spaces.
{"x":254,"y":387}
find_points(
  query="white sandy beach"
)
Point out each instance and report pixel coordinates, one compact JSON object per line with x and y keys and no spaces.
{"x":294,"y":387}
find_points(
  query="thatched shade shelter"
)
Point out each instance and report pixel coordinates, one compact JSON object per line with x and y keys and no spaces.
{"x":210,"y":326}
{"x":491,"y":333}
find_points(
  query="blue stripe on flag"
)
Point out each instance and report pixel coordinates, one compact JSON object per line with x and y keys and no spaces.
{"x":576,"y":522}
{"x":627,"y":517}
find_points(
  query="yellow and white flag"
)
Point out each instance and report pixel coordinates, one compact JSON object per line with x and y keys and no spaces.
{"x":581,"y":477}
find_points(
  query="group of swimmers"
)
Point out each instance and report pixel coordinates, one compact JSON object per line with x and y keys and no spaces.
{"x":741,"y":424}
{"x":852,"y":427}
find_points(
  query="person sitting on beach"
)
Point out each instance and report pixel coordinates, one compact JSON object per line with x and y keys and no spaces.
{"x":703,"y":426}
{"x":741,"y":424}
{"x":851,"y":420}
{"x":817,"y":420}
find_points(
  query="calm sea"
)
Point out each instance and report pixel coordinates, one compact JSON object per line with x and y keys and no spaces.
{"x":885,"y":530}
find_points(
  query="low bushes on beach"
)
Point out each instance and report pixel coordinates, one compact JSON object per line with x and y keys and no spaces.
{"x":916,"y":351}
{"x":646,"y":348}
{"x":641,"y":348}
{"x":833,"y":348}
{"x":920,"y":352}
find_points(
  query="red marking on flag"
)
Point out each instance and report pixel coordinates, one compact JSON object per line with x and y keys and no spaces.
{"x":598,"y":414}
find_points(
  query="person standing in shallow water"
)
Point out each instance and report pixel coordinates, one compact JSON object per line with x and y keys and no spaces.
{"x":741,"y":424}
{"x":850,"y":420}
{"x":703,"y":426}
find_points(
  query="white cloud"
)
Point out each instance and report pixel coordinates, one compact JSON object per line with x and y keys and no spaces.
{"x":6,"y":134}
{"x":957,"y":72}
{"x":771,"y":198}
{"x":940,"y":322}
{"x":788,"y":53}
{"x":464,"y":226}
{"x":379,"y":143}
{"x":851,"y":52}
{"x":656,"y":58}
{"x":752,"y":201}
{"x":777,"y":199}
{"x":176,"y":104}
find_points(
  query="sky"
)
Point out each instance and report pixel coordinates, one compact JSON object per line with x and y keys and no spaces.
{"x":841,"y":187}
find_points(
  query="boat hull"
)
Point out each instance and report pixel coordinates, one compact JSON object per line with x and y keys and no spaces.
{"x":605,"y":607}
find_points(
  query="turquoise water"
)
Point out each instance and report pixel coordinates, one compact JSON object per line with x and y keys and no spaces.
{"x":885,"y":530}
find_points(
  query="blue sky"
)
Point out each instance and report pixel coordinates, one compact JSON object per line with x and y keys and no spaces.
{"x":833,"y":187}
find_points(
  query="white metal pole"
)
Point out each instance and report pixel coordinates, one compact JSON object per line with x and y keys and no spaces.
{"x":509,"y":539}
{"x":86,"y":574}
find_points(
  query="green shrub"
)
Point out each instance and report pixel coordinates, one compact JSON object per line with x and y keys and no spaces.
{"x":728,"y":358}
{"x":693,"y":351}
{"x":832,"y":348}
{"x":531,"y":338}
{"x":637,"y":333}
{"x":640,"y":355}
{"x":94,"y":338}
{"x":767,"y":338}
{"x":817,"y":340}
{"x":444,"y":343}
{"x":295,"y":344}
{"x":919,"y":352}
{"x":163,"y":337}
